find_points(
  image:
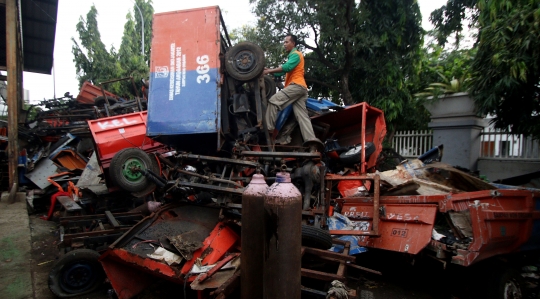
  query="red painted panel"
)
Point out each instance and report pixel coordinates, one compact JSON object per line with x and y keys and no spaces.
{"x":89,"y":92}
{"x":126,"y":282}
{"x":402,"y":228}
{"x":199,"y":36}
{"x":350,"y":124}
{"x":114,"y":133}
{"x":220,"y":240}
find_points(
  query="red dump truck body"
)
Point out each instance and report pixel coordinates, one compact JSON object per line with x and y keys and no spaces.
{"x":111,"y":134}
{"x":489,"y":222}
{"x":89,"y":92}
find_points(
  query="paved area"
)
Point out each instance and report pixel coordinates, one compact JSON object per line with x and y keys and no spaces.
{"x":15,"y":250}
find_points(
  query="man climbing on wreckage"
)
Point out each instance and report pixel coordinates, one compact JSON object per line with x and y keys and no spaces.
{"x":295,"y":93}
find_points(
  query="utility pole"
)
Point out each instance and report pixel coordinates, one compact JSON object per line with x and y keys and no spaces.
{"x":142,"y":28}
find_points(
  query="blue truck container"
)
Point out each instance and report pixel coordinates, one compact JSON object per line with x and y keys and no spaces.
{"x":185,"y":82}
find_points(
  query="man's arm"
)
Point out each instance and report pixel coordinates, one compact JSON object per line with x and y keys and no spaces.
{"x":288,"y":66}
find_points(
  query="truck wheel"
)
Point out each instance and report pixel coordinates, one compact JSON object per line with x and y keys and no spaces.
{"x":353,"y":155}
{"x":244,"y":61}
{"x":77,"y":272}
{"x":124,"y":169}
{"x":316,"y":237}
{"x":100,"y":101}
{"x":151,"y":187}
{"x":508,"y":284}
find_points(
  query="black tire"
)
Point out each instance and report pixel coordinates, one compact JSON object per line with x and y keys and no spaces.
{"x":100,"y":101}
{"x":507,"y":283}
{"x":353,"y":155}
{"x":316,"y":237}
{"x":123,"y":169}
{"x":244,"y":61}
{"x":77,"y":272}
{"x":269,"y":87}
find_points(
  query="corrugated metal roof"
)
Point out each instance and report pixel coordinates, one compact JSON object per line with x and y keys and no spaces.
{"x":38,"y":30}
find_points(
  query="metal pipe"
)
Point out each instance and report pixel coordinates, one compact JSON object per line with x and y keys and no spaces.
{"x":376,"y":198}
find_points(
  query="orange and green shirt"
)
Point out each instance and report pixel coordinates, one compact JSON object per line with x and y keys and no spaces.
{"x":293,"y":69}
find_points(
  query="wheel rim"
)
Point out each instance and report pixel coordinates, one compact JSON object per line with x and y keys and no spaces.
{"x":353,"y":151}
{"x":130,"y":170}
{"x":511,"y":290}
{"x":244,"y":61}
{"x":78,"y":277}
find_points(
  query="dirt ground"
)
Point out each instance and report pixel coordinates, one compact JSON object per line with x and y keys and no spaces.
{"x":400,"y":280}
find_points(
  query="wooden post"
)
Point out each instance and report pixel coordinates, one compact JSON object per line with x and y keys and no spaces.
{"x":13,"y":62}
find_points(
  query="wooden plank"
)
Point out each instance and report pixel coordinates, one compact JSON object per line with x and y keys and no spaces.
{"x":364,"y":269}
{"x":94,"y":233}
{"x":13,"y":59}
{"x":341,"y":267}
{"x":228,"y":287}
{"x":321,"y":275}
{"x":330,"y":254}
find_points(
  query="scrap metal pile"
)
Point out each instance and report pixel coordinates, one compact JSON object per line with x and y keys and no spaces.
{"x":186,"y":163}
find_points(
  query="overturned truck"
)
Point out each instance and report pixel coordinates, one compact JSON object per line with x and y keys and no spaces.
{"x":205,"y":125}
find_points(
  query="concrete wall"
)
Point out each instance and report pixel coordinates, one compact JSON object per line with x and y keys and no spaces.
{"x":456,"y":125}
{"x":461,"y":140}
{"x":496,"y":169}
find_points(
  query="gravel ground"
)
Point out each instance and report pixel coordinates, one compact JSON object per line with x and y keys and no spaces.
{"x":399,"y":280}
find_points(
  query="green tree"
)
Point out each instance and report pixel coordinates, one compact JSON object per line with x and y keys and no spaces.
{"x":273,"y":51}
{"x":445,"y":71}
{"x":366,"y":51}
{"x":129,"y":56}
{"x":506,"y":69}
{"x":96,"y":64}
{"x":93,"y":62}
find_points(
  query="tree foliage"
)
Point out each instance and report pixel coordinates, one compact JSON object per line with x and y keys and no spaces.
{"x":506,"y":69}
{"x":367,"y":51}
{"x":96,"y":64}
{"x":445,"y":71}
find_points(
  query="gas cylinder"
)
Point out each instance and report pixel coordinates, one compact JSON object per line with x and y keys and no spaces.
{"x":283,"y":239}
{"x":251,"y":275}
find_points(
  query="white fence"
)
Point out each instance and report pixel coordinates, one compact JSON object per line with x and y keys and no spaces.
{"x":501,"y":145}
{"x":495,"y":144}
{"x":411,"y":144}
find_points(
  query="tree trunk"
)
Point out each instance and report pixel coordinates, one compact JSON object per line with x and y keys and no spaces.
{"x":345,"y":92}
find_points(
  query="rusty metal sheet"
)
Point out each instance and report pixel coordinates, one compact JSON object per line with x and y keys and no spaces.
{"x":69,"y":159}
{"x":502,"y":221}
{"x":213,"y":282}
{"x":44,"y":169}
{"x":91,"y":172}
{"x":402,"y":227}
{"x":186,"y":243}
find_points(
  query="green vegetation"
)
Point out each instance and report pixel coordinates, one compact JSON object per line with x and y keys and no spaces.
{"x":445,"y":72}
{"x":505,"y":72}
{"x":96,"y":64}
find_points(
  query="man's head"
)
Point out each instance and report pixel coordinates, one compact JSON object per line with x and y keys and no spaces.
{"x":290,"y":42}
